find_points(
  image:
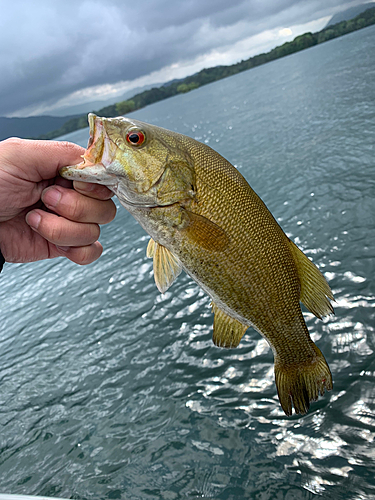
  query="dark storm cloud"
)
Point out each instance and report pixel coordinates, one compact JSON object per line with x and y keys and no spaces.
{"x":50,"y":49}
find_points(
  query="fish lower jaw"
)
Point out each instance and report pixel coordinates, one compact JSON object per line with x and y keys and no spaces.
{"x":96,"y":174}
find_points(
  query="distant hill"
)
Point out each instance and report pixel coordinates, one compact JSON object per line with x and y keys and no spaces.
{"x":87,"y":107}
{"x":49,"y":127}
{"x":35,"y":126}
{"x":209,"y":75}
{"x":30,"y":127}
{"x":348,"y":14}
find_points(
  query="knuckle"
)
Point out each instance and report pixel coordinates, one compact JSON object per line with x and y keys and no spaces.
{"x":84,"y":258}
{"x":11,"y":146}
{"x":113,"y":211}
{"x":68,"y":150}
{"x":89,"y":233}
{"x":77,"y":212}
{"x":95,"y":231}
{"x":13,"y":141}
{"x":56,"y":233}
{"x":109,"y":213}
{"x":87,"y":254}
{"x":65,"y":232}
{"x":69,"y":147}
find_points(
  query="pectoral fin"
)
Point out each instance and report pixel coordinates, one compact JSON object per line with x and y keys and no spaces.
{"x":315,"y":291}
{"x":166,"y":266}
{"x":205,"y":233}
{"x":227,"y":331}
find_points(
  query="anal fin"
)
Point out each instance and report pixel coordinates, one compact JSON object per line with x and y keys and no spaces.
{"x":315,"y":290}
{"x":166,"y":265}
{"x":228,"y":331}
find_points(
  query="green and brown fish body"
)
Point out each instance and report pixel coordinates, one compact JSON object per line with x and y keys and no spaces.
{"x":204,"y":218}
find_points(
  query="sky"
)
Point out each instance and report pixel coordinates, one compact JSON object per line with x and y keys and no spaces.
{"x":56,"y":53}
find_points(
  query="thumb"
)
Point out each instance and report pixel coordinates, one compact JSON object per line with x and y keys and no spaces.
{"x":38,"y":160}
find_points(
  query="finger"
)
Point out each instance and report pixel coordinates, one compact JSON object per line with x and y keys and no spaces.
{"x":46,"y":156}
{"x":80,"y":255}
{"x":77,"y":207}
{"x":61,"y":231}
{"x":93,"y":190}
{"x":60,"y":181}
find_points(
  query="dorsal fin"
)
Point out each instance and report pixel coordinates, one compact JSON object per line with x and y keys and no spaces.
{"x":227,"y":331}
{"x":166,"y":265}
{"x":315,"y":290}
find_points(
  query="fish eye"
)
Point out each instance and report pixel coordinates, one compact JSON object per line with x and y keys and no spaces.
{"x":135,"y":137}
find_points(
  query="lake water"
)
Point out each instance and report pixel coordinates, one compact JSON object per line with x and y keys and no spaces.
{"x":110,"y":390}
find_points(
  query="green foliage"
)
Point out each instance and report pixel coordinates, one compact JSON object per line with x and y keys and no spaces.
{"x":209,"y":75}
{"x":186,"y":87}
{"x":326,"y":35}
{"x":108,"y":111}
{"x":124,"y":107}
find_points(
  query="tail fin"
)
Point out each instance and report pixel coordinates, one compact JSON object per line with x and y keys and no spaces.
{"x":298,"y":384}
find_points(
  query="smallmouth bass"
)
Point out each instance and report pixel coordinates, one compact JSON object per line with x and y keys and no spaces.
{"x":204,"y":218}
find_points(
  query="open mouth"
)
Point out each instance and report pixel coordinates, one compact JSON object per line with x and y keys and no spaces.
{"x":95,"y":147}
{"x":92,"y":168}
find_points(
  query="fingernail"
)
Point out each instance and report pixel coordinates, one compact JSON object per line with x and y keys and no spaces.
{"x":51,"y":197}
{"x":83,"y":186}
{"x":33,"y":219}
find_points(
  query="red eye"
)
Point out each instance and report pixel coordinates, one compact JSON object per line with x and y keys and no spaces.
{"x":135,"y":137}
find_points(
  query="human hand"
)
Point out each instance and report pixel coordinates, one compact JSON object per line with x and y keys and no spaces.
{"x":41,"y":216}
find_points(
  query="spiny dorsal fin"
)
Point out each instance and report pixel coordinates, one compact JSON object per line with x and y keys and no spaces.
{"x":227,"y":331}
{"x":166,"y":266}
{"x":315,"y":291}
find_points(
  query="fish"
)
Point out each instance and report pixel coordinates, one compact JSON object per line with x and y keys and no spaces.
{"x":204,"y":218}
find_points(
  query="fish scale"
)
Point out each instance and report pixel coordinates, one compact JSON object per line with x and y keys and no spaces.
{"x":204,"y":218}
{"x":247,"y":222}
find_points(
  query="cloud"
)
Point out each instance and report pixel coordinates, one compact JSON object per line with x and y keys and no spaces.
{"x":51,"y":49}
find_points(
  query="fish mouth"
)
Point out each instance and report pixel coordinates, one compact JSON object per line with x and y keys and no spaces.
{"x":97,"y":166}
{"x":98,"y":155}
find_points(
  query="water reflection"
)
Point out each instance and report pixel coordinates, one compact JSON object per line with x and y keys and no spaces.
{"x":111,"y":390}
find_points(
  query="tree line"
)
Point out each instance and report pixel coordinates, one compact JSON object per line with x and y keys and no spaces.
{"x":209,"y":75}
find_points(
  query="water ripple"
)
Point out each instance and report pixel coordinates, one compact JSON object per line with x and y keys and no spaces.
{"x":111,"y":390}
